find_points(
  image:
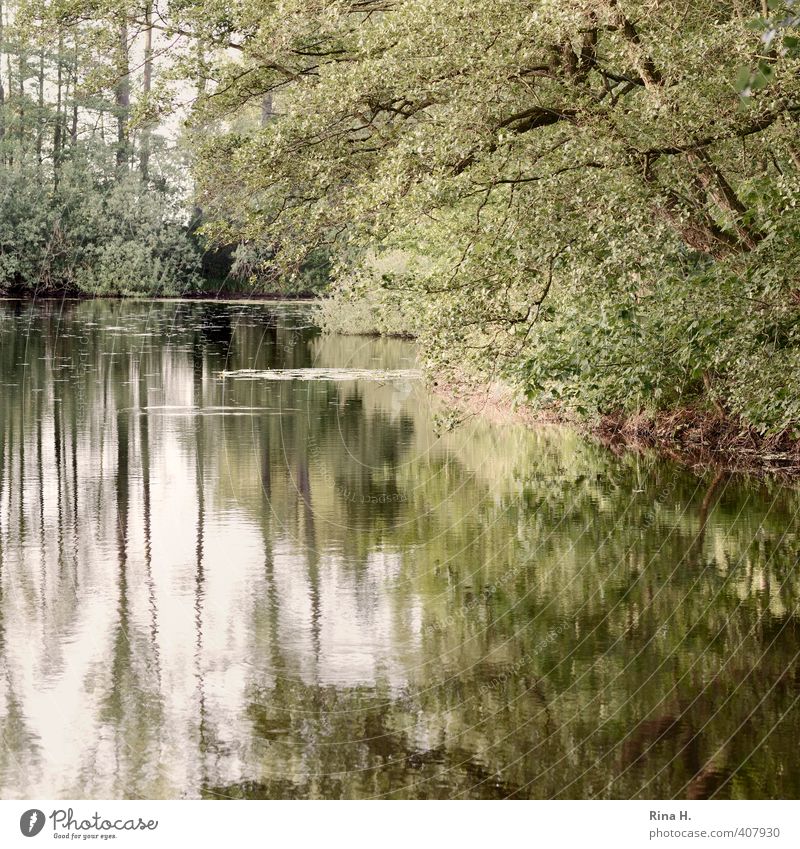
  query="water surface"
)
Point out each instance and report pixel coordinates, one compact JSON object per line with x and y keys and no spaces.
{"x":223,"y":579}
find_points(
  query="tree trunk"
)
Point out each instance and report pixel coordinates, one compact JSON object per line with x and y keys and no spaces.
{"x":40,"y":105}
{"x":689,"y":215}
{"x":122,"y":98}
{"x":147,"y":84}
{"x":73,"y":133}
{"x":21,"y":109}
{"x":58,"y":135}
{"x":266,"y":110}
{"x":2,"y":90}
{"x":722,"y":193}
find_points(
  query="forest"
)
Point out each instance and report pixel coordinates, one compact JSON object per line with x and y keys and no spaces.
{"x":592,"y":201}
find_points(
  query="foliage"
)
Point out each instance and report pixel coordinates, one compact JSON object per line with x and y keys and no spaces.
{"x":608,"y":225}
{"x":366,"y":301}
{"x":90,"y":235}
{"x":83,"y":206}
{"x":778,"y":35}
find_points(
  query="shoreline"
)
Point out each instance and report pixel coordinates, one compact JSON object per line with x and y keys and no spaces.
{"x":221,"y":297}
{"x":694,"y":438}
{"x":702,"y":440}
{"x":699,"y":440}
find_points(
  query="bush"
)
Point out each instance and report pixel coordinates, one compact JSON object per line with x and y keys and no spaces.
{"x":91,"y":233}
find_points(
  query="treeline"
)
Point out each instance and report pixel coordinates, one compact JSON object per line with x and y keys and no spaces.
{"x":92,"y":195}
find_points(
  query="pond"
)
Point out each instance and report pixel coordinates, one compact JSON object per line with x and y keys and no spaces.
{"x":241,"y":559}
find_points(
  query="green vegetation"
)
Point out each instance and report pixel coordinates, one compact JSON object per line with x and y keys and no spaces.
{"x":89,"y":201}
{"x":605,"y":220}
{"x":596,"y":201}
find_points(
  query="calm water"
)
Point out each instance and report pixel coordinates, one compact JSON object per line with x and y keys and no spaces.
{"x":218,"y":583}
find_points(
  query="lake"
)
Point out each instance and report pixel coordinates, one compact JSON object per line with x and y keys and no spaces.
{"x":242,"y":559}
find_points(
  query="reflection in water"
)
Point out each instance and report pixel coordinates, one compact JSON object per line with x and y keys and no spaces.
{"x":213,"y":586}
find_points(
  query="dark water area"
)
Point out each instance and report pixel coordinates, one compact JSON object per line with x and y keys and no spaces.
{"x":222,"y":579}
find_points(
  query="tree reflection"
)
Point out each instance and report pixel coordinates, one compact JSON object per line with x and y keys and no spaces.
{"x":243,"y":588}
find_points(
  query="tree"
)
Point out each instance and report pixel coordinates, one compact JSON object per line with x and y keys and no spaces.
{"x":75,"y":213}
{"x":122,"y":95}
{"x":583,"y":171}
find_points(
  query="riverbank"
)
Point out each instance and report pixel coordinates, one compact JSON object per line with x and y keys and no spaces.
{"x":694,"y":438}
{"x":701,"y":439}
{"x":24,"y":294}
{"x":242,"y":296}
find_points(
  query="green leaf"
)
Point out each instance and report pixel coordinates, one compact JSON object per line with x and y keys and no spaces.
{"x":743,"y":77}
